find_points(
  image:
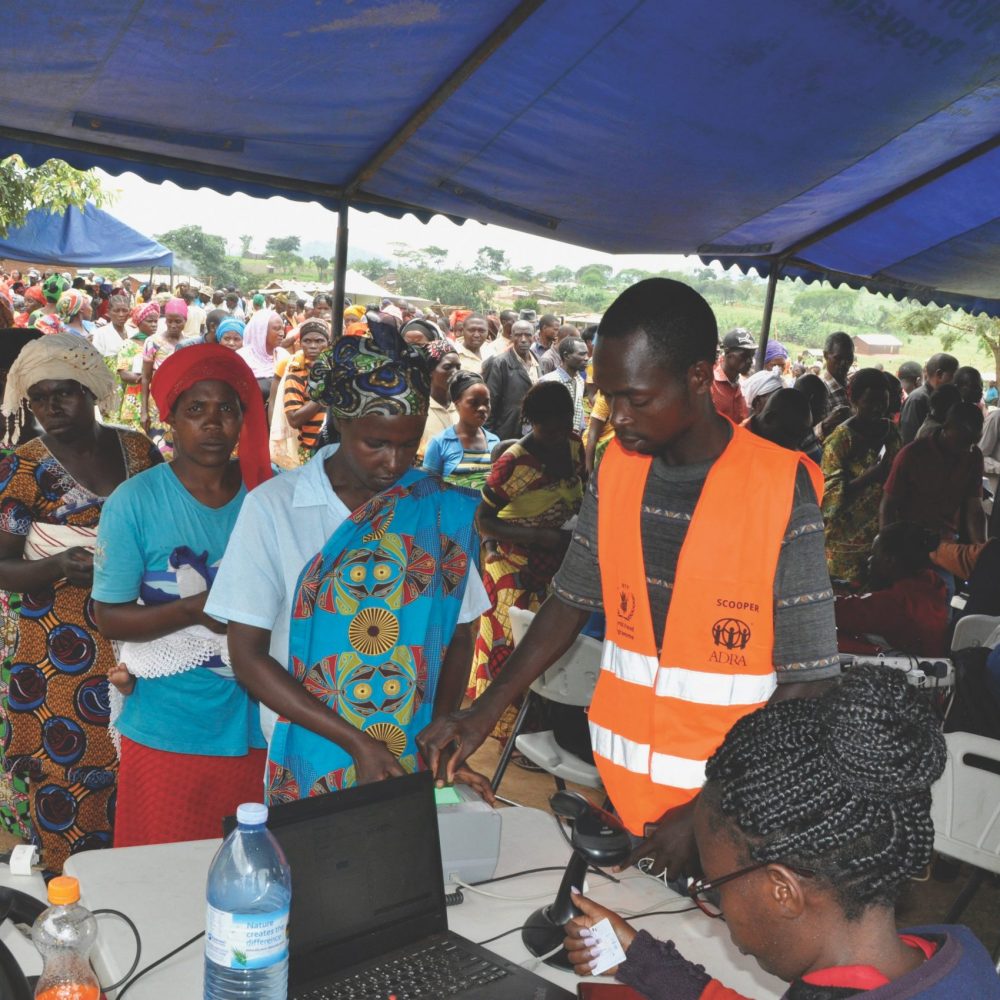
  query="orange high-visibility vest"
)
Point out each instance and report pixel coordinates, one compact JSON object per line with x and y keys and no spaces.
{"x":655,"y":721}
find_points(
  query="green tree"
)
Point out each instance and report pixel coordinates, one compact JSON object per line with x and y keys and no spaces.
{"x":206,"y":251}
{"x":373,"y":269}
{"x":435,"y":255}
{"x":629,"y":276}
{"x":54,"y":185}
{"x":282,"y":245}
{"x":525,"y":302}
{"x":558,"y":273}
{"x":322,"y":266}
{"x":451,"y":287}
{"x":245,"y":242}
{"x":491,"y":260}
{"x":524,"y":274}
{"x":594,"y":274}
{"x":949,"y":327}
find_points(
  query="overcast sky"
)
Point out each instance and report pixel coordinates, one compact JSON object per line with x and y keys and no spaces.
{"x":156,"y":208}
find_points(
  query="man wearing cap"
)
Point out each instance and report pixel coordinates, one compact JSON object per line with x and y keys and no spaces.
{"x":738,"y":348}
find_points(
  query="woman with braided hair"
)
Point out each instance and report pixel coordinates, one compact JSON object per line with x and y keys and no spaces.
{"x":815,"y":814}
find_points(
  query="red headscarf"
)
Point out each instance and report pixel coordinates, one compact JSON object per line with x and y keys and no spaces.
{"x":201,"y":362}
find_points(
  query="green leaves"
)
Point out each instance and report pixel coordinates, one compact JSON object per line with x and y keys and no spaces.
{"x":54,"y":185}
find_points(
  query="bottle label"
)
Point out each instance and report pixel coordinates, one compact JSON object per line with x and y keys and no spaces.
{"x":246,"y":940}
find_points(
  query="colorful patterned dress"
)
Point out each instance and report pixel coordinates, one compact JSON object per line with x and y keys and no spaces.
{"x":157,"y":349}
{"x":852,"y":523}
{"x":371,"y":621}
{"x":56,"y":702}
{"x":130,"y":360}
{"x":520,"y":490}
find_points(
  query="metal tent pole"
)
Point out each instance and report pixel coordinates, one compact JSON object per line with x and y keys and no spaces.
{"x":339,"y":272}
{"x":765,"y":323}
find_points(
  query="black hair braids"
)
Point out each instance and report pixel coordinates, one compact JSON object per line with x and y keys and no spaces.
{"x":838,"y":784}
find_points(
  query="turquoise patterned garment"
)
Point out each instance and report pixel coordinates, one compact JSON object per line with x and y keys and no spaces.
{"x":371,"y":621}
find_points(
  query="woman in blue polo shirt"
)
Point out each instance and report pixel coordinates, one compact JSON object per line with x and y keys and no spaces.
{"x":191,"y":744}
{"x":461,"y":454}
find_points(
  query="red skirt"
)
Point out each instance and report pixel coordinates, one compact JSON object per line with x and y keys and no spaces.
{"x":166,"y":797}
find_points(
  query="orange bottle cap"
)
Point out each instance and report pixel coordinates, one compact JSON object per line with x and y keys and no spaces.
{"x":64,"y":890}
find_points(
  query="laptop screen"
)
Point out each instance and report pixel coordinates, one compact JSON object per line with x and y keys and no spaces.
{"x":366,"y":872}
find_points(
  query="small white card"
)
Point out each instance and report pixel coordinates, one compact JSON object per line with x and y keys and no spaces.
{"x":610,"y":951}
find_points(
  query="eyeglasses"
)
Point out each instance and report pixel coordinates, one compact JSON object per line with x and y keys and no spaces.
{"x":706,"y":895}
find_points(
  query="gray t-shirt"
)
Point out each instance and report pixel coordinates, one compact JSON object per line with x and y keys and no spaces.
{"x":805,"y":636}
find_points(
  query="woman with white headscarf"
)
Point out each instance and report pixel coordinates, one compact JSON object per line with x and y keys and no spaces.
{"x":260,"y":350}
{"x":758,"y":388}
{"x":52,"y":490}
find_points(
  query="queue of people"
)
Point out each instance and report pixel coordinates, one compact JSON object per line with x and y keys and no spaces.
{"x":182,"y":635}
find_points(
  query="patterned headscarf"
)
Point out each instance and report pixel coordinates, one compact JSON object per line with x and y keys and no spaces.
{"x":142,"y":312}
{"x":359,"y":377}
{"x":53,"y":286}
{"x":59,"y":356}
{"x":70,"y":303}
{"x":36,"y":294}
{"x":437,"y":349}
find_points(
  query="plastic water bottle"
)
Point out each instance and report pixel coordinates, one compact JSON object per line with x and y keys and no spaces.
{"x":64,"y":935}
{"x":246,"y":930}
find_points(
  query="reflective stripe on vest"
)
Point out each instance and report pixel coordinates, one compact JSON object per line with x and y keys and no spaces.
{"x":655,"y":720}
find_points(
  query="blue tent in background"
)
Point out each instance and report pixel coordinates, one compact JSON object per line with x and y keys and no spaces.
{"x":89,"y":238}
{"x":855,"y":140}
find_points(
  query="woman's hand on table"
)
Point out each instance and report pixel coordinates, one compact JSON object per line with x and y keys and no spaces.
{"x":77,"y":566}
{"x":580,"y":943}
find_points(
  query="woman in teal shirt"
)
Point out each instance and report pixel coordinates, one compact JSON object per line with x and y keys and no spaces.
{"x":191,"y":745}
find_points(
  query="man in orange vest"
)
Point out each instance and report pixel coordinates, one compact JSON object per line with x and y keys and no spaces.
{"x":703,"y":544}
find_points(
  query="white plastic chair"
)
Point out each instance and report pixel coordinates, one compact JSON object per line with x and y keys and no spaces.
{"x":569,"y":681}
{"x":973,"y":630}
{"x":965,"y":807}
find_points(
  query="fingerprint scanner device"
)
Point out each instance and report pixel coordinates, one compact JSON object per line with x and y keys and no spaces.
{"x":470,"y":834}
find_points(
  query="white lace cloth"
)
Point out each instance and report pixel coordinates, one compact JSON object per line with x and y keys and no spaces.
{"x":172,"y":654}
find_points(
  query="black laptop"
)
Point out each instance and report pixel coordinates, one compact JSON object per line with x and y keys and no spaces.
{"x":368,"y":915}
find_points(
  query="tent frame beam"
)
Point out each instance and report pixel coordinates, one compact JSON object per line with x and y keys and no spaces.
{"x":891,"y":197}
{"x":454,"y":81}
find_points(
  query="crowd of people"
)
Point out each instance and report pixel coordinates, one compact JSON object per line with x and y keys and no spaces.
{"x":244,"y":555}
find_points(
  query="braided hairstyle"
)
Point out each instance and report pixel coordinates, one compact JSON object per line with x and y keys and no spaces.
{"x":838,"y":784}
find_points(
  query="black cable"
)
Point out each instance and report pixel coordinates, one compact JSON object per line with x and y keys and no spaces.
{"x":159,"y":961}
{"x":547,"y":868}
{"x":138,"y":946}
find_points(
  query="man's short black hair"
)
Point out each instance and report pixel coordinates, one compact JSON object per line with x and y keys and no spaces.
{"x":568,"y":345}
{"x":839,"y":337}
{"x":549,"y":319}
{"x":946,"y":363}
{"x":679,"y":324}
{"x":589,"y":333}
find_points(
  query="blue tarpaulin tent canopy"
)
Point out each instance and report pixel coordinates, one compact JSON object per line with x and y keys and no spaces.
{"x":855,"y":140}
{"x":89,"y":238}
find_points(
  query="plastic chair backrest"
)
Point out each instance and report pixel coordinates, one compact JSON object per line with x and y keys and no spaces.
{"x":973,"y":630}
{"x":965,"y":803}
{"x":572,"y":678}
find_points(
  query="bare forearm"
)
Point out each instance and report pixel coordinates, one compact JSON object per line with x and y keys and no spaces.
{"x":143,"y":622}
{"x":552,"y":632}
{"x":273,"y":686}
{"x":504,"y":531}
{"x":300,"y":417}
{"x":23,"y":576}
{"x":975,"y":521}
{"x":455,"y":668}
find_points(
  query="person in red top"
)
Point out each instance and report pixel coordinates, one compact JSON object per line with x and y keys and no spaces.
{"x":906,"y":608}
{"x":814,"y":816}
{"x":937,"y":481}
{"x":738,"y":348}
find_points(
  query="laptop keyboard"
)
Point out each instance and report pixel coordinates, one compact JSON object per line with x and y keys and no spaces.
{"x":441,"y":970}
